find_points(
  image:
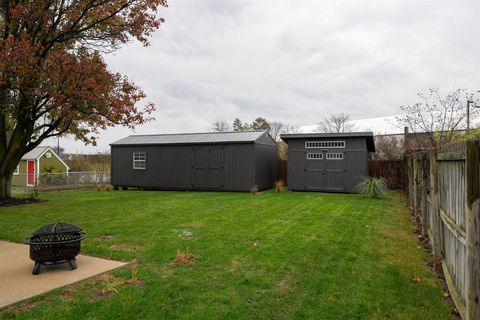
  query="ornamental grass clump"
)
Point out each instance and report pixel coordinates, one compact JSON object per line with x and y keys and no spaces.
{"x":372,"y":187}
{"x":280,"y":186}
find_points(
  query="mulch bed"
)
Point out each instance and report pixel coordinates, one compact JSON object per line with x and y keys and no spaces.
{"x":18,"y":201}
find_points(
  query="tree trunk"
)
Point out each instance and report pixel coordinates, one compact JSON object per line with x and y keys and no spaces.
{"x":5,"y":186}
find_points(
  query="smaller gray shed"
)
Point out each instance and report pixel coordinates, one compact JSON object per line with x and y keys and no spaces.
{"x":331,"y":162}
{"x":228,"y":161}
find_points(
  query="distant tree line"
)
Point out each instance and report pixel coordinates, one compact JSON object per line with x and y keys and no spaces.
{"x":99,"y":162}
{"x":274,"y":128}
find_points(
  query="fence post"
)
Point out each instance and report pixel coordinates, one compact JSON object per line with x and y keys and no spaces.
{"x":472,"y":161}
{"x":409,"y":175}
{"x":425,"y":192}
{"x":434,"y":200}
{"x":414,"y":187}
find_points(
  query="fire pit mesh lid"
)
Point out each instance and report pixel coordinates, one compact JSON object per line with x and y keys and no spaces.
{"x":57,"y":228}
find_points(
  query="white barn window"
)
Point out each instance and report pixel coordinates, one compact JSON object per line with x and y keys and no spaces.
{"x":335,"y":156}
{"x":139,"y":160}
{"x":315,"y":156}
{"x":324,"y":144}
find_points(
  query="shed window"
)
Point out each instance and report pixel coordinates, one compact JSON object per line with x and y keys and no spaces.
{"x":335,"y":156}
{"x":315,"y":156}
{"x":17,"y":170}
{"x":324,"y":144}
{"x":48,"y":154}
{"x":139,"y":160}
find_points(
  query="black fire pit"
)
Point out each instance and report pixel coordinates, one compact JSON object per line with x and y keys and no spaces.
{"x":54,"y":244}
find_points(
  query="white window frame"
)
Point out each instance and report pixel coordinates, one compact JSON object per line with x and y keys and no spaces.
{"x":325,"y":144}
{"x":137,"y":159}
{"x":17,"y":170}
{"x":334,"y":156}
{"x":315,"y":156}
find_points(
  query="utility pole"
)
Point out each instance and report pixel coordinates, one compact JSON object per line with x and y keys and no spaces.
{"x":468,"y":115}
{"x":469,"y":101}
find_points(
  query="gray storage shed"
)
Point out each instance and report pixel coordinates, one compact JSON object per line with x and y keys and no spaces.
{"x":230,"y":161}
{"x":332,"y":162}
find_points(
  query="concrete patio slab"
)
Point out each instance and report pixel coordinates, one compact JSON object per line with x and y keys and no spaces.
{"x":17,"y":282}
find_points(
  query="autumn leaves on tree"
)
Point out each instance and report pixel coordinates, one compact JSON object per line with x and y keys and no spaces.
{"x":53,"y":79}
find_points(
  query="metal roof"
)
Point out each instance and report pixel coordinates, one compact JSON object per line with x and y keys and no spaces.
{"x":367,"y":135}
{"x":191,"y":138}
{"x":34,"y":154}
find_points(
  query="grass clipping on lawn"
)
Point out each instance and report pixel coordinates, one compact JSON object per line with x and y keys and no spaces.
{"x":183,"y":258}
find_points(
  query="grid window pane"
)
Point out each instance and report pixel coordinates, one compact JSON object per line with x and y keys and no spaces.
{"x":314,"y":156}
{"x":335,"y":156}
{"x":324,"y":144}
{"x":139,"y":160}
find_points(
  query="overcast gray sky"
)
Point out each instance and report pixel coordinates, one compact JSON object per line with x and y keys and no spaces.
{"x":296,"y":61}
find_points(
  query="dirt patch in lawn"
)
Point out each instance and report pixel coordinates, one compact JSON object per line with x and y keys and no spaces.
{"x":26,"y":306}
{"x":105,"y":237}
{"x":126,"y":247}
{"x":68,"y":293}
{"x":286,"y":284}
{"x":195,"y":225}
{"x":168,"y":272}
{"x":107,"y":285}
{"x":183,"y":258}
{"x":235,"y":265}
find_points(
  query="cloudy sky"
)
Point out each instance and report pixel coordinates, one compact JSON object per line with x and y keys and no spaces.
{"x":296,"y":61}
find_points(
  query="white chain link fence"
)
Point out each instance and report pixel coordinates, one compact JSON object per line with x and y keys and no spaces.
{"x":60,"y":181}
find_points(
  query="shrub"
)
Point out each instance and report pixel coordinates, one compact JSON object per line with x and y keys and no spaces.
{"x":56,"y":179}
{"x":108,"y":187}
{"x":254,"y":190}
{"x":372,"y":187}
{"x":280,"y":186}
{"x":34,"y":194}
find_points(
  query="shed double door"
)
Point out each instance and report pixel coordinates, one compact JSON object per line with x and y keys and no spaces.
{"x":327,"y":173}
{"x":208,"y":172}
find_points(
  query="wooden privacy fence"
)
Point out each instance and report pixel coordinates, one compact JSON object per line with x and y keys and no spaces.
{"x":282,"y":170}
{"x":393,"y":171}
{"x":443,"y":190}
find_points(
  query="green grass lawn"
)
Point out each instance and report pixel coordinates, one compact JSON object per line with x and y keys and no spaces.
{"x":269,"y":256}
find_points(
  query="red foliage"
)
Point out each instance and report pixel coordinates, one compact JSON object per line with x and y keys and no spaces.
{"x":52,"y":77}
